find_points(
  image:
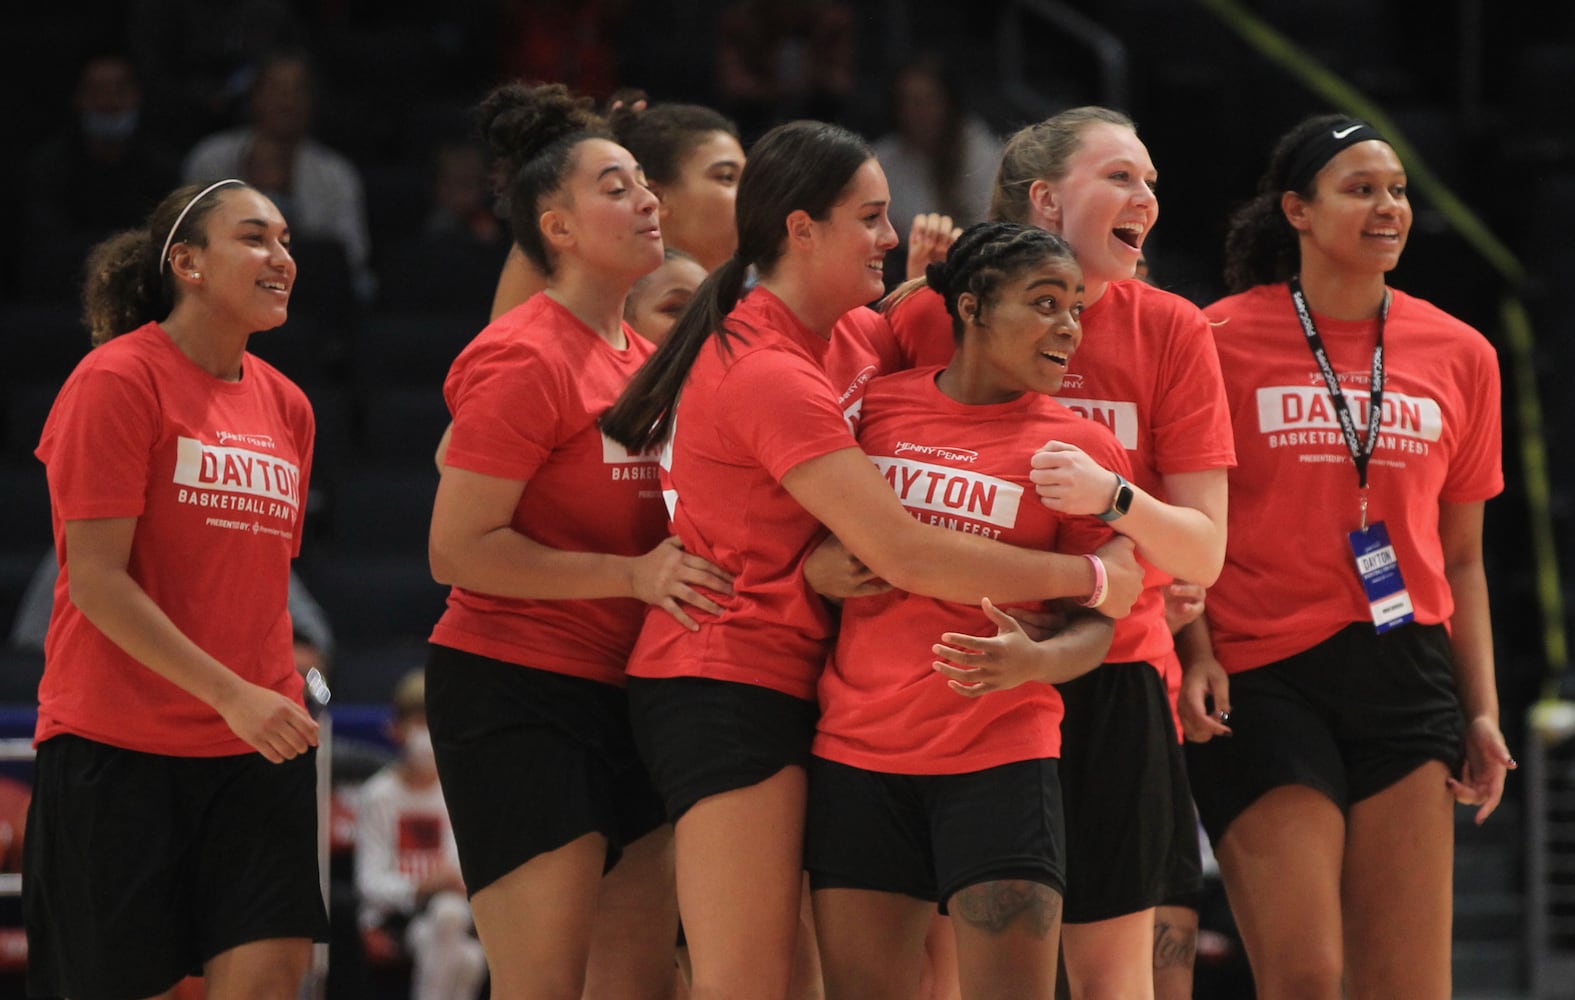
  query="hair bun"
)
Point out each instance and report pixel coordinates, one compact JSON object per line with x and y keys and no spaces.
{"x":519,"y":120}
{"x":935,"y":275}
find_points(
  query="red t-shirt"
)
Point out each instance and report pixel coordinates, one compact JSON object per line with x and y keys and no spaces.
{"x":863,"y":347}
{"x":1290,"y":579}
{"x":215,"y":473}
{"x":962,"y":467}
{"x":1147,"y":370}
{"x":744,"y":420}
{"x":525,"y":395}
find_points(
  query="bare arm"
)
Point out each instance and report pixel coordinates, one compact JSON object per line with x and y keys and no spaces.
{"x":1185,"y":537}
{"x":930,"y":236}
{"x":1481,"y":781}
{"x":473,"y":544}
{"x":518,"y":281}
{"x":846,"y":493}
{"x":99,"y":551}
{"x":976,"y":665}
{"x":836,"y":574}
{"x":1202,"y":677}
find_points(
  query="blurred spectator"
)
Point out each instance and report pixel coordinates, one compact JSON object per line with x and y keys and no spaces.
{"x":452,"y":263}
{"x":938,"y":158}
{"x":406,"y":863}
{"x":314,"y":639}
{"x":462,"y":195}
{"x":99,"y":174}
{"x":784,"y":59}
{"x":318,"y":190}
{"x":14,"y":798}
{"x":563,"y":41}
{"x":198,"y":57}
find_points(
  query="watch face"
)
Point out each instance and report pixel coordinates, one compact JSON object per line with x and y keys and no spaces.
{"x":1123,"y":501}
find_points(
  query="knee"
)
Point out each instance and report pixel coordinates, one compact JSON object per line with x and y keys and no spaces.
{"x":1300,"y":974}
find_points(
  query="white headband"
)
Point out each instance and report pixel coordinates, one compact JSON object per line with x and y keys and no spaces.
{"x":182,"y":216}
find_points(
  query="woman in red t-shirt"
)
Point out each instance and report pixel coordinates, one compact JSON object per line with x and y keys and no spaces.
{"x":758,"y":457}
{"x":1350,"y":626}
{"x":692,"y":159}
{"x":910,"y":751}
{"x":175,"y":781}
{"x":1147,"y":370}
{"x":553,"y":539}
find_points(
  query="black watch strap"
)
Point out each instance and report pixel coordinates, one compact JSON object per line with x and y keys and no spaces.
{"x":1121,"y":502}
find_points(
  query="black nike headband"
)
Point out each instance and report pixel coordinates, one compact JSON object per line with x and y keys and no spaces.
{"x":1321,"y":147}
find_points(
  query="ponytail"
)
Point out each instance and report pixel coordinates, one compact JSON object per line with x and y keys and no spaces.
{"x":642,"y":418}
{"x":1261,"y":248}
{"x":127,"y":283}
{"x":799,"y":166}
{"x":124,"y":289}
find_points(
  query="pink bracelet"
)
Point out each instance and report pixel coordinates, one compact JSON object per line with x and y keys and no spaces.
{"x":1101,"y":582}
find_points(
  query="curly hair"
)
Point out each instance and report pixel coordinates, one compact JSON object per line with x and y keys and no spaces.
{"x":125,"y":288}
{"x":530,"y":131}
{"x":1261,"y":247}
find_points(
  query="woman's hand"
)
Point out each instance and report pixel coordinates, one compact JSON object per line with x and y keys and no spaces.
{"x":1040,"y":623}
{"x":1204,"y":678}
{"x":274,"y":725}
{"x":1124,"y":576}
{"x":1069,"y":481}
{"x":1487,"y":764}
{"x":930,"y":236}
{"x":837,"y":574}
{"x":667,"y":574}
{"x":1183,"y":604}
{"x":976,"y":664}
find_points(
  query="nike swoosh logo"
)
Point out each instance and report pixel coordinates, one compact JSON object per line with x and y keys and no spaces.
{"x":1342,"y":133}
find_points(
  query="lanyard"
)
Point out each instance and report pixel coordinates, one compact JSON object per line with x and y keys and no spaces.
{"x":1360,"y":450}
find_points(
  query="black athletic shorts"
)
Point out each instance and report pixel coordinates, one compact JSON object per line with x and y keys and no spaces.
{"x":138,"y":868}
{"x":531,"y":760}
{"x":1184,"y":875}
{"x":1119,"y":783}
{"x":701,"y":737}
{"x":930,"y":835}
{"x":1348,"y":717}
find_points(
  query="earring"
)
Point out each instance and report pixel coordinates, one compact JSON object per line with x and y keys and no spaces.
{"x":196,"y":276}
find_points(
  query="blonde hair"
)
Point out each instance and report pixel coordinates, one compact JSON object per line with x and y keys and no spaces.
{"x":1043,"y":152}
{"x":410,"y":695}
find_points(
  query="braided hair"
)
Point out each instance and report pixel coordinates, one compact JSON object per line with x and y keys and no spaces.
{"x":986,"y":256}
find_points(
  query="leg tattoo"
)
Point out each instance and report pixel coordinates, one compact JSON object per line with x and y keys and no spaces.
{"x":996,"y":906}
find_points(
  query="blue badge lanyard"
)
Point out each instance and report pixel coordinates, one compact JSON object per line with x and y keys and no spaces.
{"x":1361,"y":451}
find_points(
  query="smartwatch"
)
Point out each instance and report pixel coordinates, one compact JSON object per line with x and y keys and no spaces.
{"x":1121,"y":502}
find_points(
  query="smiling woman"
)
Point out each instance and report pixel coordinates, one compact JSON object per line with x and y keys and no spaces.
{"x":934,"y":713}
{"x":1369,"y":707}
{"x":553,"y":540}
{"x":1147,"y":369}
{"x":740,"y":397}
{"x":216,"y":760}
